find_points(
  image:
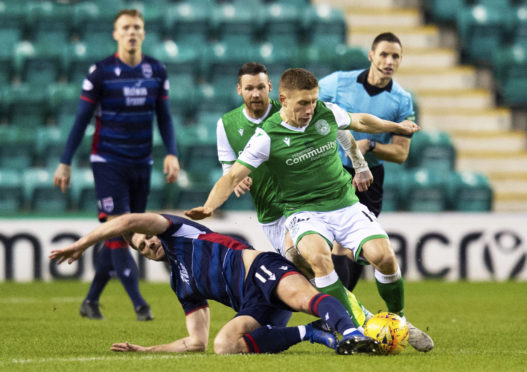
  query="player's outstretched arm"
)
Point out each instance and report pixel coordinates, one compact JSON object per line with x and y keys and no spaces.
{"x":198,"y":323}
{"x":368,"y":123}
{"x":220,"y":192}
{"x":145,"y":223}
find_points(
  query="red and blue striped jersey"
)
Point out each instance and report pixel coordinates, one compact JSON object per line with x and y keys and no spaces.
{"x":204,"y":264}
{"x":126,"y":98}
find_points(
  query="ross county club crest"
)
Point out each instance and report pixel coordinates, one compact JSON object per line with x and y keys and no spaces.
{"x":117,"y":71}
{"x":147,"y":70}
{"x":322,"y":127}
{"x":107,"y":204}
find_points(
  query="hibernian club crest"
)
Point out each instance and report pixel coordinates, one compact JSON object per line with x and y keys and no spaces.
{"x":322,"y":127}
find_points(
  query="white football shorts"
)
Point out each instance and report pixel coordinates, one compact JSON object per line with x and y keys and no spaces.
{"x":275,"y":232}
{"x":351,"y":227}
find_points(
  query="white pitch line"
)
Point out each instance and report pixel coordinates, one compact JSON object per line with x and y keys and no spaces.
{"x":95,"y":359}
{"x":32,"y":300}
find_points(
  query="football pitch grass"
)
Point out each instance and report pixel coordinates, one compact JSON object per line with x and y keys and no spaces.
{"x":475,"y":326}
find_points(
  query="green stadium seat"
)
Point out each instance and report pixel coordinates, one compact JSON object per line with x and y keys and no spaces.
{"x":63,"y":100}
{"x":218,"y":97}
{"x":243,"y":203}
{"x":191,"y":197}
{"x":322,"y":61}
{"x":235,"y":23}
{"x":443,"y":12}
{"x":222,"y":60}
{"x":38,"y":64}
{"x":469,"y":192}
{"x":281,"y":23}
{"x":40,"y":194}
{"x":26,"y":105}
{"x":11,"y":195}
{"x":424,"y":190}
{"x":79,"y":56}
{"x":183,"y":68}
{"x":50,"y":143}
{"x":510,"y":69}
{"x":158,"y":198}
{"x":48,"y":22}
{"x":325,"y":25}
{"x":153,"y":13}
{"x":392,"y":189}
{"x":482,"y":30}
{"x":17,"y":147}
{"x":276,"y":57}
{"x":432,"y":149}
{"x":82,"y":191}
{"x":188,"y":22}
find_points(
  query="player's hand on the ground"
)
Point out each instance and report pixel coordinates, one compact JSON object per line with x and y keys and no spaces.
{"x":62,"y":177}
{"x":244,"y":185}
{"x":199,"y":213}
{"x":362,"y":180}
{"x":171,"y":168}
{"x":407,"y":127}
{"x":126,"y":346}
{"x":71,"y":254}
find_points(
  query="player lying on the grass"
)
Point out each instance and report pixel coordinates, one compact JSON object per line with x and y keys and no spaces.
{"x":263,"y":287}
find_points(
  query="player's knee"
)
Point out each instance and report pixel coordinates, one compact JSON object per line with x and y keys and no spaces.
{"x":386,"y":262}
{"x":223,"y":345}
{"x":321,"y":263}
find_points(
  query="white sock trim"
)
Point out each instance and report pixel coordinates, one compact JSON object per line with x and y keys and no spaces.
{"x":348,"y":331}
{"x":385,"y":279}
{"x":324,"y":281}
{"x":302,"y":331}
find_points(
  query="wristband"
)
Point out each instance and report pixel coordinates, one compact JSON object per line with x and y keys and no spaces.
{"x":372,"y":146}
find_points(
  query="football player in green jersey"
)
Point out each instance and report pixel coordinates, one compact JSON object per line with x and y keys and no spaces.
{"x":298,"y":145}
{"x":236,"y":127}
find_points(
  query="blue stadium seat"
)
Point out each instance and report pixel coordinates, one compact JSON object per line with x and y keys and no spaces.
{"x":11,"y":196}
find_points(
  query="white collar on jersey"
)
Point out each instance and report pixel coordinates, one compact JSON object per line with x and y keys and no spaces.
{"x":259,"y":120}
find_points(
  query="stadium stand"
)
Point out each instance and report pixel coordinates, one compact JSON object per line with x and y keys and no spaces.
{"x":49,"y":45}
{"x":11,"y":195}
